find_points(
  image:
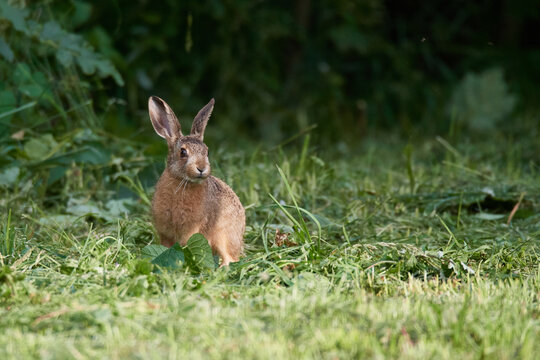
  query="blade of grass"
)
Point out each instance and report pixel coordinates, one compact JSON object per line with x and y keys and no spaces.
{"x":20,"y":108}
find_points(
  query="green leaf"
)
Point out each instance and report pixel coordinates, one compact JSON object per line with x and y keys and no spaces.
{"x":39,"y":78}
{"x":172,"y":258}
{"x":32,"y":90}
{"x":5,"y":50}
{"x":106,"y":68}
{"x":52,"y":31}
{"x":22,"y":74}
{"x":31,"y":84}
{"x":40,"y":148}
{"x":152,"y":251}
{"x":119,"y":207}
{"x":87,"y":62}
{"x":14,"y":15}
{"x":7,"y":100}
{"x":9,"y":176}
{"x":75,"y":44}
{"x":55,"y":174}
{"x":83,"y":207}
{"x":65,"y":57}
{"x":199,"y":253}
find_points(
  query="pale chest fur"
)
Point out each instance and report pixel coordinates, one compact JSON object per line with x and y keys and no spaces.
{"x":177,"y":208}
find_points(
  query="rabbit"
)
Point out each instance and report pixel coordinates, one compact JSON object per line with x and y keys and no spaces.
{"x":188,"y":199}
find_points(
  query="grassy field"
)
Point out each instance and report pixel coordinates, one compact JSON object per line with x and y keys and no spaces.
{"x":391,"y":250}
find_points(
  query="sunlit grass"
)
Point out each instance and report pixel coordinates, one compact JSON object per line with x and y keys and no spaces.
{"x":382,"y":254}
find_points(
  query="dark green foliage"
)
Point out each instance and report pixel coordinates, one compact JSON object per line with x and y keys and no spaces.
{"x":46,"y":68}
{"x":274,"y":67}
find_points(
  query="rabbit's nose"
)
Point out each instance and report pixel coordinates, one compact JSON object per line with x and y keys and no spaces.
{"x":200,"y":170}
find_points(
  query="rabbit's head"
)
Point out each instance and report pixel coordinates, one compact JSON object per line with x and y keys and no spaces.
{"x":188,"y":155}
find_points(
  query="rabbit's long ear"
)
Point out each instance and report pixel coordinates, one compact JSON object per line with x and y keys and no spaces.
{"x":199,"y":124}
{"x":163,"y":119}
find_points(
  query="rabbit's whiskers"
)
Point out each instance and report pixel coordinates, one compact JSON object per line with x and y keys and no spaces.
{"x":179,"y":185}
{"x":184,"y":189}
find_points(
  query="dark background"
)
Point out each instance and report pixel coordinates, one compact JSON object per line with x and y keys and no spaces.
{"x":276,"y":68}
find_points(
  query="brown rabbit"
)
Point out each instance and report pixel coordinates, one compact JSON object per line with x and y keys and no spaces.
{"x":188,"y":199}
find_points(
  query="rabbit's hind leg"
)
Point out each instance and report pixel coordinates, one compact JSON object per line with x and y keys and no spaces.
{"x":224,"y":254}
{"x":220,"y":246}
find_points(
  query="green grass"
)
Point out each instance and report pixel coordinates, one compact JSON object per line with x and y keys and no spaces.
{"x":394,"y":251}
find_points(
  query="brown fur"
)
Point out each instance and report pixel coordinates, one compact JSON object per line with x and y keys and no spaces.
{"x":188,"y":199}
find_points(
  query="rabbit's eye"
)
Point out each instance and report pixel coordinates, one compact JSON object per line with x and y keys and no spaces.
{"x":183,"y":153}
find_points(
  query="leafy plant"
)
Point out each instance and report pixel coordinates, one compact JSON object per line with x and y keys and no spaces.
{"x":43,"y":64}
{"x":196,"y":255}
{"x":171,"y":258}
{"x":481,"y":101}
{"x":52,"y":39}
